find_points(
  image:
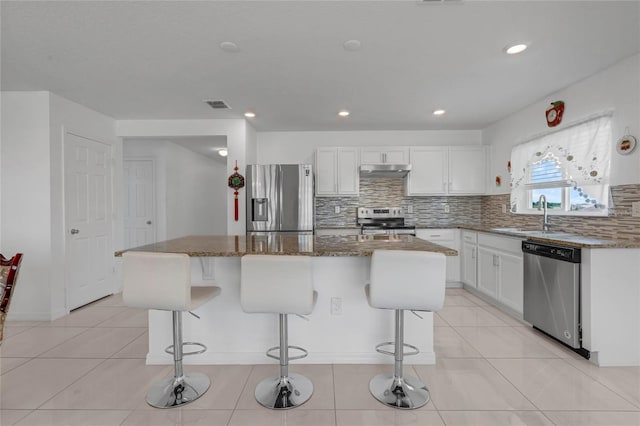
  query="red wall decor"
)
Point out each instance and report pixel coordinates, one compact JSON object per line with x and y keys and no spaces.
{"x":236,"y":181}
{"x":554,"y":113}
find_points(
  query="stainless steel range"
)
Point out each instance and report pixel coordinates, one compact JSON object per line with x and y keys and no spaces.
{"x":383,"y":220}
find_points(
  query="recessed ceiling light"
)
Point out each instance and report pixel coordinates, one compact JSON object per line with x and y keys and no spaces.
{"x":223,"y":152}
{"x":249,"y":114}
{"x":229,"y":46}
{"x":351,"y":45}
{"x":515,"y":49}
{"x":439,"y":112}
{"x":344,"y":113}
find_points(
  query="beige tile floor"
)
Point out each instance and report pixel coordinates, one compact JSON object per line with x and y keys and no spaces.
{"x":88,"y":369}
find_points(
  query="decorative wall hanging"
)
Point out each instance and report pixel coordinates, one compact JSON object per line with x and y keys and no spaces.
{"x":498,"y":180}
{"x":554,"y":113}
{"x":236,"y":181}
{"x":626,"y":144}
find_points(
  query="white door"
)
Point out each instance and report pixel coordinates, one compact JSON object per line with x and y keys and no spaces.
{"x":428,"y":174}
{"x":469,"y":263}
{"x":487,"y":276}
{"x":466,"y":170}
{"x":326,"y":171}
{"x":348,"y":177}
{"x":88,"y":220}
{"x":139,"y":211}
{"x":511,"y":281}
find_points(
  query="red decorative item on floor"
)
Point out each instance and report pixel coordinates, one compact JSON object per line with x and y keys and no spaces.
{"x":236,"y":181}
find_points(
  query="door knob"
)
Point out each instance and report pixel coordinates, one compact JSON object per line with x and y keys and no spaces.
{"x":74,"y":231}
{"x":148,"y":222}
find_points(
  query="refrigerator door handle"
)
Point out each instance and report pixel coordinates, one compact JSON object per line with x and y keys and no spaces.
{"x":259,"y":210}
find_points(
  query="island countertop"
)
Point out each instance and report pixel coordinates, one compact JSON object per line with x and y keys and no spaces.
{"x":280,"y":244}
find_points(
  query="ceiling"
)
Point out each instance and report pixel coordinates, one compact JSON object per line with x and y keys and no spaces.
{"x":203,"y":145}
{"x":161,"y":59}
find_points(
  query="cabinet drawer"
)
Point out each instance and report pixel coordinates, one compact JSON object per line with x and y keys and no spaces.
{"x":511,"y":245}
{"x":469,"y":237}
{"x":444,"y":237}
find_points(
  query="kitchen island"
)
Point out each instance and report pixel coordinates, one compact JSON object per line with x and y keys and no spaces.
{"x":341,"y":329}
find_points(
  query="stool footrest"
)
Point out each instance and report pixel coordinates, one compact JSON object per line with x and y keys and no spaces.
{"x":415,"y":350}
{"x":170,"y":351}
{"x":304,"y":354}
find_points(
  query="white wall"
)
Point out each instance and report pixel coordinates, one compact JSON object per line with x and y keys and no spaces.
{"x":240,"y":144}
{"x":189,"y":189}
{"x":33,"y":127}
{"x":616,"y":88}
{"x":298,"y":147}
{"x":26,"y":192}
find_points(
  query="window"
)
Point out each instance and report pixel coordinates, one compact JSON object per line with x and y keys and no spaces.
{"x":569,"y":167}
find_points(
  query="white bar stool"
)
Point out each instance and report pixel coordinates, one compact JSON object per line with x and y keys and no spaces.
{"x":400,"y":280}
{"x":282,"y":285}
{"x":163,"y":281}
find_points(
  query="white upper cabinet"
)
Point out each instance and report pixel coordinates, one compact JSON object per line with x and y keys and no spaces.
{"x":384,"y":155}
{"x":428,"y":175}
{"x":442,"y":170}
{"x":337,"y":171}
{"x":467,"y":166}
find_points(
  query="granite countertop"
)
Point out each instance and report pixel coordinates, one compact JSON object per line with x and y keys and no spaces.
{"x":553,"y":237}
{"x":304,"y":245}
{"x":556,"y":237}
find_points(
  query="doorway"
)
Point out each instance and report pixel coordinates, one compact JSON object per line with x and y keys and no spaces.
{"x":88,"y":219}
{"x":139,"y":202}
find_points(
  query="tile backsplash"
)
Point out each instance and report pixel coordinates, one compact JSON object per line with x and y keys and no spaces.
{"x":485,"y":210}
{"x":389,"y":192}
{"x":619,"y":225}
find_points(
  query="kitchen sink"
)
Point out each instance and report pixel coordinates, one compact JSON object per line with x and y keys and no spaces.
{"x":515,"y":230}
{"x":534,"y":232}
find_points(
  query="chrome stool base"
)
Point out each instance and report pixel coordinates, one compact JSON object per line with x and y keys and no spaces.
{"x":399,"y":392}
{"x":174,"y":392}
{"x":284,"y":392}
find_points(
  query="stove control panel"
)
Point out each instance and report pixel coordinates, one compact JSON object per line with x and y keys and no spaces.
{"x":379,"y":212}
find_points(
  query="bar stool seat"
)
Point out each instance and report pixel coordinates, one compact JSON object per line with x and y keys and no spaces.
{"x":162,"y":281}
{"x":282,"y":285}
{"x":401,"y":280}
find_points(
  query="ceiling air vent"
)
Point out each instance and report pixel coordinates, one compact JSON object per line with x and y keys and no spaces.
{"x":217,"y":104}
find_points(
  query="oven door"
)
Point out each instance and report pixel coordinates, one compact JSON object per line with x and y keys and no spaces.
{"x":403,"y":231}
{"x":373,"y":230}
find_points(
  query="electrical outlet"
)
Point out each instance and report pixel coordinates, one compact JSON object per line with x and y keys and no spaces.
{"x":410,"y":208}
{"x":336,"y":306}
{"x":504,"y":208}
{"x":337,"y":209}
{"x":446,"y":208}
{"x":635,"y":209}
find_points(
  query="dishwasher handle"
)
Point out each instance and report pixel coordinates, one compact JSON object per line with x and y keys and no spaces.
{"x":553,"y":251}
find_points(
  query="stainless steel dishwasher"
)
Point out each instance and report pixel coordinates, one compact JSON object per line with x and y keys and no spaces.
{"x":552,"y":292}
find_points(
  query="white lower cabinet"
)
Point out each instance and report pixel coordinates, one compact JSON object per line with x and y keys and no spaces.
{"x":468,"y":258}
{"x":449,"y":238}
{"x":500,"y":269}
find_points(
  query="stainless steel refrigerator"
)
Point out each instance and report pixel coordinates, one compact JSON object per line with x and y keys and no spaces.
{"x":279,"y":198}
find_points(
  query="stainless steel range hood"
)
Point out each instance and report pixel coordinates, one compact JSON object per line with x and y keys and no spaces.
{"x":384,"y":170}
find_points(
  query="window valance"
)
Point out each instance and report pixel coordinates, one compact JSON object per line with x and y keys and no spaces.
{"x":580,"y":155}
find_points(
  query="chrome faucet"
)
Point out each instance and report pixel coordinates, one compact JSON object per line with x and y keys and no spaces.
{"x":543,"y":207}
